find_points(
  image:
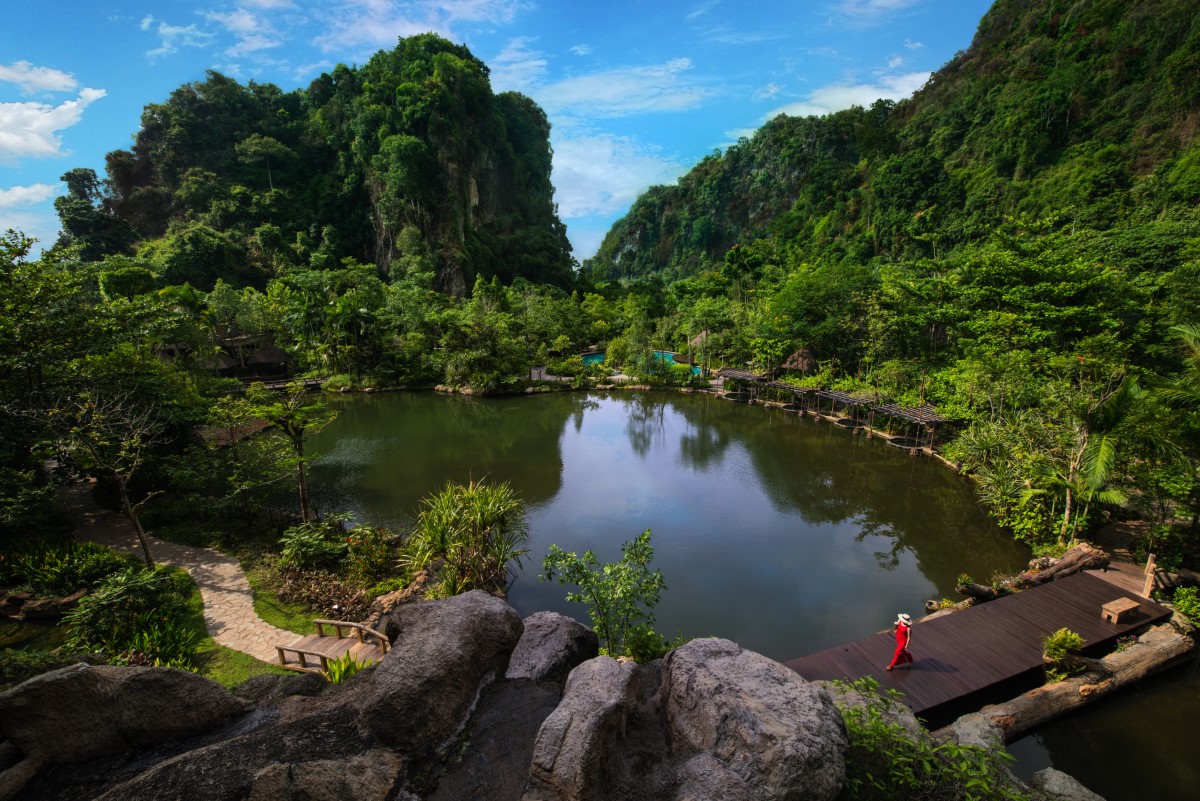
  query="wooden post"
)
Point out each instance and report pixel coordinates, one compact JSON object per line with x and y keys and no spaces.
{"x":1148,"y":587}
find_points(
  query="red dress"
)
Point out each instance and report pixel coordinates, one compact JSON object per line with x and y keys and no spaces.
{"x":902,"y":654}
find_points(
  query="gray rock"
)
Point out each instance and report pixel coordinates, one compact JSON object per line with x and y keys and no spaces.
{"x":551,"y":646}
{"x":779,"y":734}
{"x":577,"y":752}
{"x":272,"y":687}
{"x":1060,"y":786}
{"x":894,"y":712}
{"x":370,"y":776}
{"x":82,"y":712}
{"x":979,"y":731}
{"x":503,"y":729}
{"x":706,"y":778}
{"x":443,"y":652}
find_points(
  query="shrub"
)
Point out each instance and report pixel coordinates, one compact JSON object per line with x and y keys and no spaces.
{"x":315,"y":544}
{"x":1063,"y":643}
{"x":344,"y":667}
{"x":885,"y":762}
{"x":137,"y":616}
{"x":368,"y":553}
{"x":468,"y":535}
{"x":325,"y":593}
{"x":619,"y":595}
{"x":1186,"y":602}
{"x":55,"y":569}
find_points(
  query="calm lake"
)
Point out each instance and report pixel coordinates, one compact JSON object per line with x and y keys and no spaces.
{"x":786,"y":535}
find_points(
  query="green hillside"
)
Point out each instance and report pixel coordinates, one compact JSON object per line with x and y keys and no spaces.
{"x":1081,"y":111}
{"x":410,"y":157}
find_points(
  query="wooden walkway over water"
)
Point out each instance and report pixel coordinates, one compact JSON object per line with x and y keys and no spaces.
{"x":966,"y":658}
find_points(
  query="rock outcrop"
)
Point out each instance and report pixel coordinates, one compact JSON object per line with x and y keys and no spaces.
{"x":713,"y":720}
{"x":83,"y":711}
{"x":550,"y":647}
{"x":471,"y":704}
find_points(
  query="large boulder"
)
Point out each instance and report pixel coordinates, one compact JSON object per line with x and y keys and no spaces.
{"x":551,"y":646}
{"x":779,"y":735}
{"x":502,"y":732}
{"x":1061,"y":787}
{"x":578,"y":749}
{"x":443,"y":653}
{"x":83,"y":711}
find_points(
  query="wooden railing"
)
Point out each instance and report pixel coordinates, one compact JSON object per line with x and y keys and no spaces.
{"x":304,"y":648}
{"x":360,"y":631}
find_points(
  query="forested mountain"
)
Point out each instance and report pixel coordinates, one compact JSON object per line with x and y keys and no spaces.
{"x":1085,"y":111}
{"x":1018,"y":244}
{"x":409,"y":162}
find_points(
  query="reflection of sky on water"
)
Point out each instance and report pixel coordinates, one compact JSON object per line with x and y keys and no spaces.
{"x":785,"y":535}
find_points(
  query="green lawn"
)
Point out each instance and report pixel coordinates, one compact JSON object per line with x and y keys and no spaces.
{"x":215,"y":661}
{"x":283,"y":615}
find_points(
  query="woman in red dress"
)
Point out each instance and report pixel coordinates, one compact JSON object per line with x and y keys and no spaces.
{"x":903,"y":626}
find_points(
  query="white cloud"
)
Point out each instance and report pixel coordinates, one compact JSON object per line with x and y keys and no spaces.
{"x":702,"y":9}
{"x":767,"y":92}
{"x":268,"y":4}
{"x":895,"y":61}
{"x":18,"y":211}
{"x":865,"y":8}
{"x":19,"y":196}
{"x":173,"y":37}
{"x":312,"y":70}
{"x":582,"y":50}
{"x":30,"y":129}
{"x":603,"y":173}
{"x":738,"y":133}
{"x":147,"y":21}
{"x":913,"y":45}
{"x":517,"y":67}
{"x":368,"y":24}
{"x":623,"y":92}
{"x":36,"y":79}
{"x":838,"y":96}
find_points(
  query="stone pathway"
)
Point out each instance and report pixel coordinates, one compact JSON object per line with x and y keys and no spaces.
{"x":228,"y":602}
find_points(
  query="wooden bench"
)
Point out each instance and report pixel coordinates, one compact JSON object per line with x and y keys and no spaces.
{"x":1120,"y":610}
{"x":311,"y":653}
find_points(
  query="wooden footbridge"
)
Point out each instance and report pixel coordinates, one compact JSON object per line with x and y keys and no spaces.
{"x":988,"y":652}
{"x":312,"y":653}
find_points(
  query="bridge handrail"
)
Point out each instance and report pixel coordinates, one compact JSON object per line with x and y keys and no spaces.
{"x":358,"y":628}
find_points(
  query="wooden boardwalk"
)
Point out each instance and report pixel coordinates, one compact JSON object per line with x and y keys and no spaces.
{"x":312,"y":653}
{"x":964,"y":658}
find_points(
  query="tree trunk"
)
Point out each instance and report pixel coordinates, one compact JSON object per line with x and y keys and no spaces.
{"x":131,"y":513}
{"x":1080,"y":557}
{"x":1159,"y":648}
{"x":299,"y":448}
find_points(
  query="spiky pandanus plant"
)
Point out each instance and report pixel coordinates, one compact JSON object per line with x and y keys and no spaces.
{"x":469,"y":536}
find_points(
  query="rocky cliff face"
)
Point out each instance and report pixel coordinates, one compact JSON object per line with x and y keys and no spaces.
{"x":471,"y":703}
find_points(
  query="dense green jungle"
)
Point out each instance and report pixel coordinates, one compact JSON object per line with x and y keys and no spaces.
{"x":1018,"y":244}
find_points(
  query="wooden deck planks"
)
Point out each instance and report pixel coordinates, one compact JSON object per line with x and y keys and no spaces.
{"x":967,"y":653}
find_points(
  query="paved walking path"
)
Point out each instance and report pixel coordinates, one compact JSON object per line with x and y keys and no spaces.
{"x":228,"y":602}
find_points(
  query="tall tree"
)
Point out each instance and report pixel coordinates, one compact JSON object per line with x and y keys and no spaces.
{"x":294,"y":417}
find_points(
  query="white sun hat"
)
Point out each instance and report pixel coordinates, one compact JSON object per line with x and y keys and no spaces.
{"x":903,"y":618}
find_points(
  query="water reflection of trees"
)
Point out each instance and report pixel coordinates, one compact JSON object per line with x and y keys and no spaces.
{"x":386,"y":452}
{"x":645,"y":421}
{"x":829,"y":476}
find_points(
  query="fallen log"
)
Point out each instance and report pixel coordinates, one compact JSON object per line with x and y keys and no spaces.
{"x":1159,"y":648}
{"x":1079,"y":557}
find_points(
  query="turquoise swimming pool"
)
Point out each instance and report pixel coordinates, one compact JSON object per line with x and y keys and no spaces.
{"x":665,"y":355}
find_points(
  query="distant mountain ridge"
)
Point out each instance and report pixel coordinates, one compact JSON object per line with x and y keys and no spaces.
{"x":1086,"y":110}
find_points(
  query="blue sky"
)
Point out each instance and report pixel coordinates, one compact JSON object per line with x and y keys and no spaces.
{"x":636,"y":93}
